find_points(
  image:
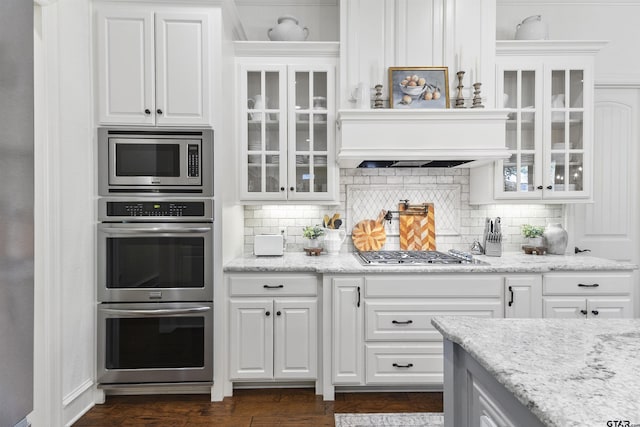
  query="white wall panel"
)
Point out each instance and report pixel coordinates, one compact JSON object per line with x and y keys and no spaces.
{"x":615,"y":21}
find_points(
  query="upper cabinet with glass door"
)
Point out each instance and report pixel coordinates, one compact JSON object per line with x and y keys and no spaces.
{"x":287,"y":130}
{"x":547,"y":89}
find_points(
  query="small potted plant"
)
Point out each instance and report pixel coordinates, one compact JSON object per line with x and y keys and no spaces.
{"x":534,"y":234}
{"x":311,"y":233}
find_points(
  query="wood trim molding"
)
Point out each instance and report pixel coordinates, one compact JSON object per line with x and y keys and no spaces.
{"x":270,"y":49}
{"x":548,"y":47}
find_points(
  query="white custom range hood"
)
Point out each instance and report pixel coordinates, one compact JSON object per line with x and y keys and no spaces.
{"x":417,"y":138}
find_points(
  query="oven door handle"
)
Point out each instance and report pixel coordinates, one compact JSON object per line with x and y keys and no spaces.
{"x":115,"y":230}
{"x":157,"y":312}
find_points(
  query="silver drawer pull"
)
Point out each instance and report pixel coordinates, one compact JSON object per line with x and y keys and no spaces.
{"x":594,"y":285}
{"x":398,"y":322}
{"x":273,"y":286}
{"x":408,"y":365}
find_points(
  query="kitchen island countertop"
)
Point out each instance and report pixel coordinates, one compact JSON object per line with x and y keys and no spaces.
{"x":567,"y":372}
{"x":516,"y":262}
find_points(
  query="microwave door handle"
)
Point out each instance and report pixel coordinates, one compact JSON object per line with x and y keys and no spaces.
{"x":155,"y":230}
{"x":158,"y":312}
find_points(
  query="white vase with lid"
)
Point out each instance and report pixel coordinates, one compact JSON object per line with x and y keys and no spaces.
{"x":288,"y":30}
{"x":557,"y":238}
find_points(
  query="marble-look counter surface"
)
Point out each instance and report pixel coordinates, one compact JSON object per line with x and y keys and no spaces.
{"x":568,"y":372}
{"x":348,"y":263}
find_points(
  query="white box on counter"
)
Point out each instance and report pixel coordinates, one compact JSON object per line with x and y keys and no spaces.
{"x":268,"y":245}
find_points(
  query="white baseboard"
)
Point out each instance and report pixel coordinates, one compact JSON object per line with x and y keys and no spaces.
{"x":78,"y":402}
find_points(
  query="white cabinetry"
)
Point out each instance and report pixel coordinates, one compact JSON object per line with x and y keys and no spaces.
{"x":547,"y":89}
{"x":390,"y":317}
{"x":523,"y":296}
{"x":347,"y":330}
{"x":588,"y":295}
{"x":154,"y":64}
{"x":287,"y":123}
{"x":273,"y":329}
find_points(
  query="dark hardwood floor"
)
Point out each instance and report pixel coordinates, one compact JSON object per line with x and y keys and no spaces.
{"x":265,"y":407}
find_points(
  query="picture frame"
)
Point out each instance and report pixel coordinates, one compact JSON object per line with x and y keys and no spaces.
{"x":419,"y":87}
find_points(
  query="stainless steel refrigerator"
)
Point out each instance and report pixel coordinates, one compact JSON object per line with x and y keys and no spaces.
{"x":16,"y":211}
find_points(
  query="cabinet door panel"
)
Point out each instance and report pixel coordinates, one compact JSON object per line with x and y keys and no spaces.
{"x":563,"y":307}
{"x":182,"y":59}
{"x":296,"y":338}
{"x":251,"y":339}
{"x":125,"y":66}
{"x":523,"y":297}
{"x":609,"y":308}
{"x":347,"y":331}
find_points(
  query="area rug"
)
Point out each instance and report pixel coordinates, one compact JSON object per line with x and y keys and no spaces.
{"x":414,"y":419}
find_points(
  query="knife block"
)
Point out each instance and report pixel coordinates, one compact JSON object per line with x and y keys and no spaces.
{"x":493,"y":248}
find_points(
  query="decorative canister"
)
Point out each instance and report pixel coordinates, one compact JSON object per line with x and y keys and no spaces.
{"x":288,"y":30}
{"x":557,"y":238}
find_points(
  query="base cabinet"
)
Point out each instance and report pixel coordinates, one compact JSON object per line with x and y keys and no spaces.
{"x":273,"y":338}
{"x":347,"y":330}
{"x":389,"y":317}
{"x":580,"y":295}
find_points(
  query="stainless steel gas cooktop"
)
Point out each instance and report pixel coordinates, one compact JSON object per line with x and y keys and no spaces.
{"x":452,"y":257}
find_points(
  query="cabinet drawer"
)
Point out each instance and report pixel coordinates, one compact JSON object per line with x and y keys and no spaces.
{"x":408,"y":320}
{"x":587,"y":284}
{"x":404,"y":364}
{"x":273,"y":285}
{"x":433,"y":286}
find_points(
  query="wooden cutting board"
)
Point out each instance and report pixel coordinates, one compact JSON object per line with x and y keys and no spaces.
{"x":369,"y":234}
{"x":417,"y":227}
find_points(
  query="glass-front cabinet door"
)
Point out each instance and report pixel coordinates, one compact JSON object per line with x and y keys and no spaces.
{"x":309,"y":132}
{"x":519,"y":176}
{"x":567,"y":159}
{"x":287,"y":132}
{"x":264,"y":131}
{"x":546,"y":129}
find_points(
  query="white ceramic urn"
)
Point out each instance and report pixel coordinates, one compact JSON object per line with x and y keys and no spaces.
{"x":532,"y":28}
{"x":557,"y":238}
{"x":288,"y":30}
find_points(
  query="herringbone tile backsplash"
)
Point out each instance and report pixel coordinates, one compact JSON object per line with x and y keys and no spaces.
{"x":364,"y":192}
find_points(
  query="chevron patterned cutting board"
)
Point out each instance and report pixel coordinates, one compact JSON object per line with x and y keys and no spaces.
{"x":417,"y":227}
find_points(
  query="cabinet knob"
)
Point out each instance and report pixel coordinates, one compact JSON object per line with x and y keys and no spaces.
{"x":278,"y":313}
{"x":281,"y":188}
{"x":595,"y":312}
{"x":583,"y":312}
{"x":159,"y":111}
{"x":147,"y":111}
{"x":549,"y":187}
{"x":539,"y":187}
{"x":292,"y":188}
{"x":268,"y":313}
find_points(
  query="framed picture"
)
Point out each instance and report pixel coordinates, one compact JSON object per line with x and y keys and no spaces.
{"x":419,"y":87}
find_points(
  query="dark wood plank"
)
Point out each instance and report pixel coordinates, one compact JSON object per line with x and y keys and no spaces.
{"x":250,"y":408}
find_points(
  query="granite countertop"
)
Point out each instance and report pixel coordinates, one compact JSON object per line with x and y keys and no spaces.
{"x":568,"y":372}
{"x":516,"y":262}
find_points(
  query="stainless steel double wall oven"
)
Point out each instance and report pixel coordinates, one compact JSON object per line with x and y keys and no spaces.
{"x":155,"y":256}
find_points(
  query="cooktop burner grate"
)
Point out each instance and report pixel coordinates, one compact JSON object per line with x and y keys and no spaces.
{"x":415,"y":257}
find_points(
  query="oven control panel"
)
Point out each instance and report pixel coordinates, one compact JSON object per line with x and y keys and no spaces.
{"x":154,"y":210}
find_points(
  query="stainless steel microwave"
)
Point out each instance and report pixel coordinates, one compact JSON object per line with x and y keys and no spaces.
{"x":139,"y":161}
